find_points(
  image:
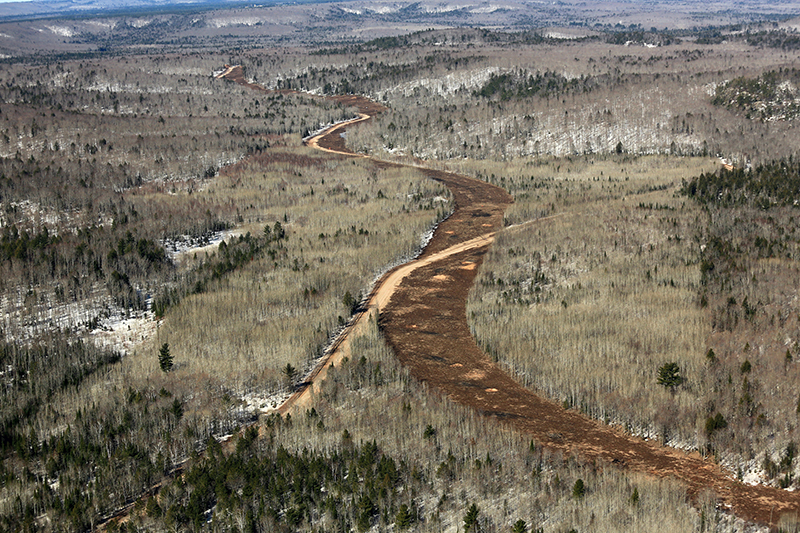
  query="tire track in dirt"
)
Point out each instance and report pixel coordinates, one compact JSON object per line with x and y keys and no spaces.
{"x":422,"y":313}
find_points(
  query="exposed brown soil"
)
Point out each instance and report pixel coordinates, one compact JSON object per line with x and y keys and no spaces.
{"x":425,"y":323}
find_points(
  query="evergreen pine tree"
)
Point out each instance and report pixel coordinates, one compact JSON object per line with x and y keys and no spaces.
{"x":165,"y":358}
{"x":403,"y":519}
{"x":471,"y":519}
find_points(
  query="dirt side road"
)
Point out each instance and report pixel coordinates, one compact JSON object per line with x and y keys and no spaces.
{"x":422,"y":308}
{"x":425,"y":323}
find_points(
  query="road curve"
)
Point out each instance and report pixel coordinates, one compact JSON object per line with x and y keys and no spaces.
{"x":421,"y":308}
{"x":378,"y":299}
{"x":380,"y":295}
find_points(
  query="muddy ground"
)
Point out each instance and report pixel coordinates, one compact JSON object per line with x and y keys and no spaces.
{"x":425,"y":323}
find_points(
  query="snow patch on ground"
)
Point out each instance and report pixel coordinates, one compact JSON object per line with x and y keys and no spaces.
{"x":37,"y":217}
{"x":787,"y":86}
{"x":140,"y":23}
{"x":394,"y":151}
{"x":323,"y":127}
{"x":384,"y":10}
{"x":753,"y":475}
{"x":60,"y":79}
{"x":116,"y":87}
{"x":177,"y":70}
{"x":180,"y":247}
{"x":235,"y":21}
{"x":28,"y":312}
{"x":62,"y":31}
{"x":124,"y":333}
{"x":712,"y":87}
{"x":560,"y":35}
{"x":445,"y":85}
{"x":684,"y":444}
{"x":264,"y":402}
{"x":752,"y":471}
{"x":445,"y":8}
{"x":492,"y":8}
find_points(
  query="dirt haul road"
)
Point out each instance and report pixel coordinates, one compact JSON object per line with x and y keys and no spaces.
{"x":422,"y":313}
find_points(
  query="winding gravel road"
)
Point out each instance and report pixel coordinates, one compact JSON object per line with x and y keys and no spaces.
{"x":421,"y":308}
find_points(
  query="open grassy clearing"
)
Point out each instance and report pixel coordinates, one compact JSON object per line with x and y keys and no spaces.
{"x":239,"y":333}
{"x":584,"y":291}
{"x":587,"y":304}
{"x":345,"y":221}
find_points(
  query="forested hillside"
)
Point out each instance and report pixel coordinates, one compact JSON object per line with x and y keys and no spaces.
{"x":175,"y":260}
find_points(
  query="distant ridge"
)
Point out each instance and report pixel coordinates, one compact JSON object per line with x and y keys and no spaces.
{"x":37,"y":9}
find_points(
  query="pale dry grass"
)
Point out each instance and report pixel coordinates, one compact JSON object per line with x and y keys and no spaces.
{"x":585,"y":306}
{"x":239,"y":335}
{"x":357,"y":222}
{"x":493,"y":465}
{"x":603,"y":286}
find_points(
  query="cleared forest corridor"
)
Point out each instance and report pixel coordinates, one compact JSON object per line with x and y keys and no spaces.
{"x":422,"y":313}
